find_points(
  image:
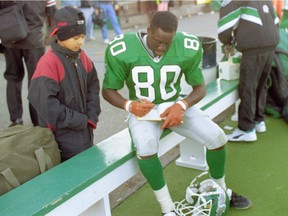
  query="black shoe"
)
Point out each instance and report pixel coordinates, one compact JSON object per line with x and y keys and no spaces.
{"x":16,"y":122}
{"x":239,"y":202}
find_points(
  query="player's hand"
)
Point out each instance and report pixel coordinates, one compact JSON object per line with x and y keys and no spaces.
{"x":229,"y":50}
{"x":141,"y":107}
{"x":174,"y":116}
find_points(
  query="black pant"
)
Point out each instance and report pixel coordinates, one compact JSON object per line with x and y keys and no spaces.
{"x":254,"y":72}
{"x":14,"y":75}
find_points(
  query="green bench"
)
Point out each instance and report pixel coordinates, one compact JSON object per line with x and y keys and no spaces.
{"x":81,"y":185}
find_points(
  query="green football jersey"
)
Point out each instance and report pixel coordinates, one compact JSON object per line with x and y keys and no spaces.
{"x":155,"y":79}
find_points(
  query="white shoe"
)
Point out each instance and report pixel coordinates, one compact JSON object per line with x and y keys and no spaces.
{"x":260,"y":127}
{"x":106,"y":41}
{"x":239,"y":136}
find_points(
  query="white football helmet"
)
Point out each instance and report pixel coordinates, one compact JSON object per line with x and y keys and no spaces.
{"x":203,"y":198}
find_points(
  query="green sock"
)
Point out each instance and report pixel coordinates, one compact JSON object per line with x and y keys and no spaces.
{"x":152,"y":170}
{"x":216,"y":162}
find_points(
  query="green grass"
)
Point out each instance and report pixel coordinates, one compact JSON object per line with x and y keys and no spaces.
{"x":257,"y":170}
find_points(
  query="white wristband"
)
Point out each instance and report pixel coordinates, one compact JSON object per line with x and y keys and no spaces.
{"x":182,"y":104}
{"x":127,"y":105}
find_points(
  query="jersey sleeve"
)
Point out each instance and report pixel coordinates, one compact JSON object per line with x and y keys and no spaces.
{"x":192,"y":65}
{"x":114,"y":74}
{"x":117,"y":57}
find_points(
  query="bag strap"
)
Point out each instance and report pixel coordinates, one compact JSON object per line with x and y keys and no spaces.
{"x":9,"y":179}
{"x":43,"y":160}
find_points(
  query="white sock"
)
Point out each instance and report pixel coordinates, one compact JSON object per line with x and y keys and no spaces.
{"x":221,"y":182}
{"x":164,"y":199}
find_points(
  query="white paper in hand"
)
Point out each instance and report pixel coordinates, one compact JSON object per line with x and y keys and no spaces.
{"x":154,"y":114}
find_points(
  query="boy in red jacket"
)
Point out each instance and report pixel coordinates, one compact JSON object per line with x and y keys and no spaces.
{"x":65,"y":87}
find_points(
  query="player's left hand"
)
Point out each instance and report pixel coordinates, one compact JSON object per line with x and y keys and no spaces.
{"x":174,"y":116}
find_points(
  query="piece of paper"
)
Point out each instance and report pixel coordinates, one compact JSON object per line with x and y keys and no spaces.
{"x":154,"y":114}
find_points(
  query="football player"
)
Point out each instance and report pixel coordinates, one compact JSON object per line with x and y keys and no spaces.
{"x":151,"y":65}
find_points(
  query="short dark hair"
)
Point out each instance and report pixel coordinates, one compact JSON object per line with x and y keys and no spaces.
{"x":165,"y":20}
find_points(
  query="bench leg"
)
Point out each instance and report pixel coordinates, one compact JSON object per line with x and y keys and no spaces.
{"x":101,"y":208}
{"x":235,"y":116}
{"x":192,"y":155}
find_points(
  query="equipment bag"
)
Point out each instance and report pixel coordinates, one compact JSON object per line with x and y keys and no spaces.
{"x":13,"y":26}
{"x":25,"y":152}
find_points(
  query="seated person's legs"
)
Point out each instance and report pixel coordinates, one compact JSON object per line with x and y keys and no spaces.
{"x":145,"y":136}
{"x":199,"y":127}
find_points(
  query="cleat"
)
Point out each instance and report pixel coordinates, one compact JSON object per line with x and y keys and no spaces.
{"x":239,"y":202}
